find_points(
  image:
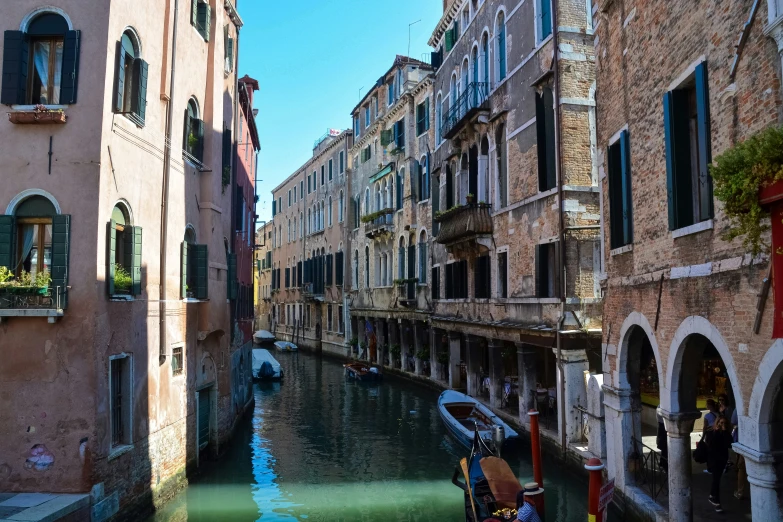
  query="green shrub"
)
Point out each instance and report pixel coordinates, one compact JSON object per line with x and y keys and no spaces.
{"x":122,"y":279}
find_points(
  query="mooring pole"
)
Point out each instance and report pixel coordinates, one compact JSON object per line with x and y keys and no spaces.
{"x":595,"y":467}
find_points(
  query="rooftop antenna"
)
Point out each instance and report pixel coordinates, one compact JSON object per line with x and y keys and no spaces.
{"x":409,"y":35}
{"x":360,"y":91}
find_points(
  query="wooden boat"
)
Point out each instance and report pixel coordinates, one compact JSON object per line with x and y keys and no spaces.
{"x":265,"y":367}
{"x":362,"y":372}
{"x":462,"y":415}
{"x":490,"y":487}
{"x":285,"y":346}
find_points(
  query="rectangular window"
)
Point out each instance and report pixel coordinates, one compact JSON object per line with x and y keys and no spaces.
{"x":435,"y":283}
{"x":176,"y":360}
{"x":301,"y":189}
{"x":545,"y":126}
{"x":366,"y":116}
{"x":120,"y":404}
{"x":545,"y":17}
{"x":688,"y":151}
{"x":329,"y":318}
{"x":342,"y":162}
{"x":289,"y":198}
{"x":399,"y":134}
{"x":423,"y":263}
{"x":390,"y":91}
{"x":547,"y":282}
{"x":481,"y":277}
{"x":620,"y":202}
{"x":323,"y":174}
{"x":503,"y":275}
{"x":457,"y":280}
{"x":330,"y":169}
{"x":423,"y":117}
{"x":340,"y":319}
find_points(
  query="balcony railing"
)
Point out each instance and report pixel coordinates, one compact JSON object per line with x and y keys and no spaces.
{"x":464,"y":223}
{"x":32,"y":302}
{"x":464,"y":107}
{"x":650,"y":469}
{"x":382,"y":222}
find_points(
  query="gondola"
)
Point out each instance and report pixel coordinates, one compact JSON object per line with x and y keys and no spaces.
{"x":362,"y":372}
{"x":490,"y":487}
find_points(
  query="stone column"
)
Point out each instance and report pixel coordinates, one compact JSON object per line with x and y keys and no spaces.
{"x":406,"y":343}
{"x":455,"y":341}
{"x":394,"y":338}
{"x":574,"y":365}
{"x":496,"y":377}
{"x":765,"y":475}
{"x":678,"y":429}
{"x":619,"y":430}
{"x":472,"y":355}
{"x":418,"y":344}
{"x":526,"y":369}
{"x":379,"y":333}
{"x":434,"y":336}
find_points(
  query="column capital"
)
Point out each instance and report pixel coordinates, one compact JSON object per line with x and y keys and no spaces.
{"x":617,"y":399}
{"x":775,"y":31}
{"x":679,"y":425}
{"x":571,"y":356}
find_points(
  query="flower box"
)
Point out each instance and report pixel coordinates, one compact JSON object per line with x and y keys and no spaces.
{"x":23,"y":290}
{"x":36,"y":117}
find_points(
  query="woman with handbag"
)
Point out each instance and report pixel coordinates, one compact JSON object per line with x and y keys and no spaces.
{"x":718,"y":441}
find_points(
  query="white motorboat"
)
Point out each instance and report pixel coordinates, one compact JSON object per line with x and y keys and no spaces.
{"x":265,"y":367}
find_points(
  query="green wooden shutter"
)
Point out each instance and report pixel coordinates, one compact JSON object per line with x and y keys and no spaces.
{"x":7,"y":236}
{"x":132,"y":257}
{"x":232,"y":276}
{"x":449,"y":40}
{"x":202,"y":271}
{"x":204,"y":16}
{"x":199,"y":131}
{"x":70,"y":72}
{"x":274,"y":207}
{"x":625,"y":189}
{"x":194,"y":12}
{"x":230,"y":53}
{"x":111,"y":255}
{"x":186,"y":132}
{"x":668,"y":122}
{"x":139,"y":89}
{"x":427,"y":114}
{"x":119,"y":78}
{"x":415,"y":179}
{"x":61,"y":245}
{"x":183,"y":282}
{"x":705,"y":146}
{"x":15,"y":51}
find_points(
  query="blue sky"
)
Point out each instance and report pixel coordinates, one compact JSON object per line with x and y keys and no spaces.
{"x":310,"y":60}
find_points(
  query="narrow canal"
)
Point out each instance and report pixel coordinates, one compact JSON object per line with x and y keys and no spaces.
{"x":320,"y":448}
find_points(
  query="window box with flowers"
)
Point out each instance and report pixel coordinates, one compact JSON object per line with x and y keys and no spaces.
{"x":39,"y":115}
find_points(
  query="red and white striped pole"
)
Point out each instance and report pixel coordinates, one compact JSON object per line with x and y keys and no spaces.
{"x":535,"y":447}
{"x":595,"y":467}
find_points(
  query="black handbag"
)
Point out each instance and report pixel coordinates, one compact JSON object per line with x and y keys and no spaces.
{"x":700,"y":453}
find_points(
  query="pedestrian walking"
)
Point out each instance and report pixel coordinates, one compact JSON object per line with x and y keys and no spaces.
{"x":724,"y":408}
{"x":711,"y":416}
{"x":718,"y":441}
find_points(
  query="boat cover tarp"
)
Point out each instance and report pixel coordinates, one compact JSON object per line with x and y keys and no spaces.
{"x":502,"y":481}
{"x":285,"y":346}
{"x":261,"y":356}
{"x":264,"y":335}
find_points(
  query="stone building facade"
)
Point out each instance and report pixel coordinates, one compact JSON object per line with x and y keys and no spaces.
{"x":389,"y":219}
{"x":122,"y":374}
{"x":684,"y":315}
{"x":263,"y":277}
{"x":308,"y":238}
{"x":516,"y":303}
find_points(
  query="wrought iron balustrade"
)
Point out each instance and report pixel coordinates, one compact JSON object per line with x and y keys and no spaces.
{"x":473,"y":97}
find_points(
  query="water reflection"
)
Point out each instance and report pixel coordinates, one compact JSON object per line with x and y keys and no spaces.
{"x":320,"y":448}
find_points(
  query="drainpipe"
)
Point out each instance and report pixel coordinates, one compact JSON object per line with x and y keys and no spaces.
{"x":234,"y":160}
{"x":561,"y":232}
{"x":164,"y":209}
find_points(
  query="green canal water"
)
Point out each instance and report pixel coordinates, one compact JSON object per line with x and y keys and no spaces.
{"x":320,"y":448}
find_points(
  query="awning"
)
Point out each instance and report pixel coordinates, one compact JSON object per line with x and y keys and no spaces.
{"x":381,"y":173}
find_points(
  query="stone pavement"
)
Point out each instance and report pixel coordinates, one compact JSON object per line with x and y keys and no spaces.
{"x":43,"y":507}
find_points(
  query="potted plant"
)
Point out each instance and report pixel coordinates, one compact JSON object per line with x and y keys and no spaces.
{"x":192,"y":142}
{"x":122,"y":280}
{"x":25,"y":283}
{"x":470,"y":199}
{"x":226,"y":177}
{"x":748,"y":178}
{"x":423,"y":354}
{"x":395,"y":351}
{"x":354,"y":344}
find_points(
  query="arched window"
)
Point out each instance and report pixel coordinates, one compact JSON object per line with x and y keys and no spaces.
{"x":194,"y":133}
{"x":330,"y":211}
{"x":301,"y":225}
{"x":483,"y":170}
{"x":453,"y":94}
{"x":356,"y":269}
{"x":367,"y":267}
{"x":123,"y":271}
{"x":422,"y":257}
{"x":289,"y":230}
{"x":367,"y":201}
{"x":33,"y":218}
{"x":340,"y":206}
{"x":378,"y":203}
{"x":294,"y":230}
{"x":485,"y":60}
{"x":423,"y":179}
{"x":465,"y":78}
{"x":400,"y":187}
{"x":323,"y":215}
{"x":438,"y":118}
{"x":500,"y":50}
{"x":474,"y":58}
{"x":309,"y":221}
{"x":50,"y":68}
{"x":401,"y":260}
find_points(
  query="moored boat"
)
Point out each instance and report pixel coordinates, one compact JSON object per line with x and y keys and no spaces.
{"x":265,"y":367}
{"x":263,"y":336}
{"x":462,"y":415}
{"x":362,"y":372}
{"x":285,"y":346}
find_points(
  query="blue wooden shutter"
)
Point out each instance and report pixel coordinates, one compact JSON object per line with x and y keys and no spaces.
{"x":7,"y":242}
{"x":201,"y":265}
{"x":70,"y":74}
{"x":183,"y":281}
{"x":61,"y":246}
{"x":668,"y":126}
{"x":232,"y":276}
{"x":139,"y":89}
{"x":502,"y":52}
{"x":274,"y":207}
{"x":625,"y":189}
{"x":546,"y":18}
{"x":15,"y":52}
{"x":705,"y":146}
{"x":111,"y":253}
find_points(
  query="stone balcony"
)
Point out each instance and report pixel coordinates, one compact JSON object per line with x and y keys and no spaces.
{"x":469,"y":104}
{"x":381,"y":224}
{"x":469,"y":224}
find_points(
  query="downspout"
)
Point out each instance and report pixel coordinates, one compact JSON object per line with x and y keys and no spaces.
{"x":561,"y":232}
{"x":234,"y":161}
{"x":164,"y":209}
